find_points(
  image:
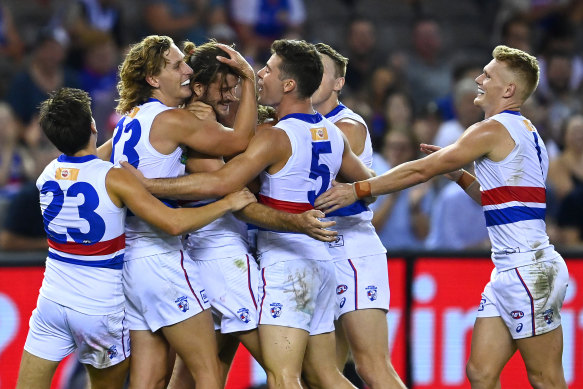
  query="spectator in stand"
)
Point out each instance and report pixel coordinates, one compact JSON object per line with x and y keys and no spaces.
{"x":45,"y":73}
{"x":466,"y":113}
{"x":363,"y":53}
{"x":565,"y":180}
{"x":560,"y":94}
{"x":23,"y":228}
{"x":11,"y":47}
{"x":449,"y":231}
{"x":99,"y":78}
{"x":382,"y":87}
{"x":428,"y":71}
{"x":185,"y":19}
{"x":402,"y":219}
{"x":88,"y":20}
{"x":259,"y":22}
{"x":16,"y":166}
{"x":517,"y":33}
{"x":566,"y":171}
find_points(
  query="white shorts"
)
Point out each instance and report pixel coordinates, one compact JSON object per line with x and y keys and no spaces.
{"x":56,"y":331}
{"x":162,"y":290}
{"x":298,"y":294}
{"x":231,"y":285}
{"x":528,"y":298}
{"x":362,"y":283}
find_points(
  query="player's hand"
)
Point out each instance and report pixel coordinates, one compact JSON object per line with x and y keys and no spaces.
{"x":237,"y":62}
{"x":240,"y":199}
{"x":202,"y":111}
{"x":340,"y":195}
{"x":430,"y":149}
{"x":138,"y":174}
{"x":309,"y":223}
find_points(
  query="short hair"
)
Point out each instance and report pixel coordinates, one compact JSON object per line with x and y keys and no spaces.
{"x":144,"y":59}
{"x":524,"y":65}
{"x":300,"y":62}
{"x":203,"y":61}
{"x":340,"y":61}
{"x":66,"y":119}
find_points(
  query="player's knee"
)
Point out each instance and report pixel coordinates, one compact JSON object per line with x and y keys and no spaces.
{"x":544,"y":380}
{"x":371,"y":367}
{"x":282,"y":378}
{"x":480,"y":376}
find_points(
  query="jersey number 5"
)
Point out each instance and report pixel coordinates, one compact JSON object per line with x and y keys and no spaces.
{"x":318,"y":169}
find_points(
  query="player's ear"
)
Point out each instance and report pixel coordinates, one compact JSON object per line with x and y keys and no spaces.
{"x":153,"y":81}
{"x":339,"y":84}
{"x":289,"y":85}
{"x":198,"y":89}
{"x":510,"y":90}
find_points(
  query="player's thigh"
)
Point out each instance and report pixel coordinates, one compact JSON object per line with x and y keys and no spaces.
{"x":35,"y":372}
{"x":109,"y":378}
{"x":549,"y":362}
{"x":250,"y":340}
{"x":492,"y":345}
{"x":321,"y":352}
{"x":150,"y":359}
{"x":367,"y":333}
{"x":197,"y":352}
{"x":283,"y":348}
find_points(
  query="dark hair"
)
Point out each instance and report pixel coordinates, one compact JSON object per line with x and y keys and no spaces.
{"x":300,"y":62}
{"x":203,"y":61}
{"x":340,"y":61}
{"x":144,"y":59}
{"x":66,"y":118}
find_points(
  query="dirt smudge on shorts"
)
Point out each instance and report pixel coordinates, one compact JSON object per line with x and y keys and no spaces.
{"x":301,"y":286}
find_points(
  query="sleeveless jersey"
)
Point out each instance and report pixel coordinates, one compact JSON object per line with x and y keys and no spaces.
{"x":222,"y":238}
{"x":131,"y":142}
{"x":317,"y":148}
{"x":85,"y":232}
{"x":356,"y":235}
{"x":513,"y":196}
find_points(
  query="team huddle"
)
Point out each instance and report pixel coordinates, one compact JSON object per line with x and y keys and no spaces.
{"x":150,"y":251}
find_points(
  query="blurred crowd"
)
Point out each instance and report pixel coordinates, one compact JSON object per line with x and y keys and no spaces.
{"x":411,"y":76}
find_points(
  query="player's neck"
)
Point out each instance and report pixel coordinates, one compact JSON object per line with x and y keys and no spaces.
{"x":167,"y":101}
{"x":504,"y":106}
{"x":292,"y":105}
{"x":328,"y":105}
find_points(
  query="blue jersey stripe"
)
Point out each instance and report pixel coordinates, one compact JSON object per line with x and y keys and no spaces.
{"x":353,"y":209}
{"x":497,"y":217}
{"x":113,"y":263}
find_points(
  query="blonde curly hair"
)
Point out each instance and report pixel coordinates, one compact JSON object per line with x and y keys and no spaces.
{"x":144,"y":59}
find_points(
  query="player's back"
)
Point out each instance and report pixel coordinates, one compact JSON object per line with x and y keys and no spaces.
{"x":317,"y":148}
{"x":514,"y":196}
{"x":221,"y":238}
{"x":85,"y":231}
{"x":343,"y":112}
{"x":356,"y":234}
{"x":131,"y":142}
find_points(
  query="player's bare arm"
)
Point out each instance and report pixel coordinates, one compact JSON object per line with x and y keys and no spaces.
{"x":271,"y":148}
{"x":352,"y":168}
{"x":125,"y":189}
{"x":104,"y":151}
{"x":467,"y":181}
{"x":307,"y":222}
{"x":355,"y":132}
{"x":479,"y":140}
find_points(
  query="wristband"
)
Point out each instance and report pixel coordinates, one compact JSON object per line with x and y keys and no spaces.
{"x":466,"y":180}
{"x":362,"y":189}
